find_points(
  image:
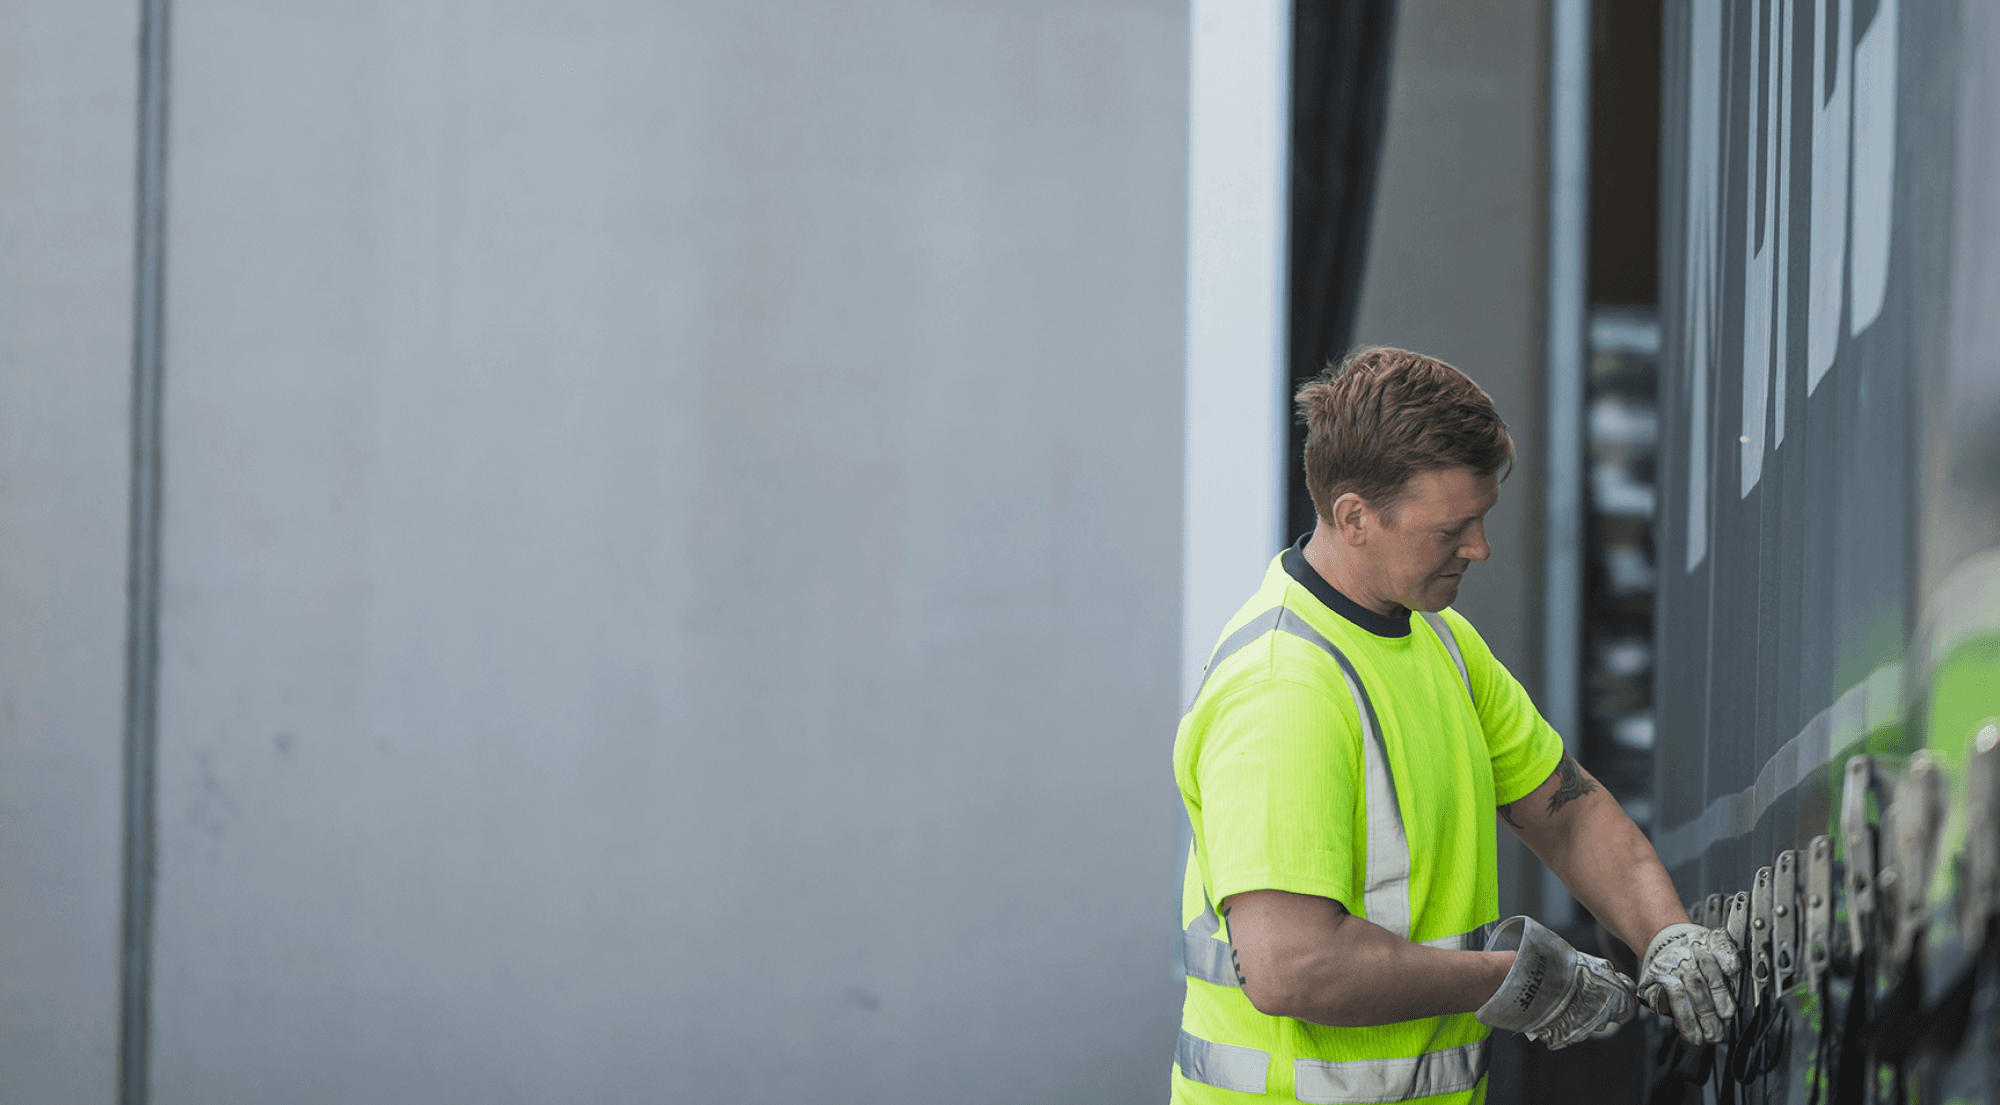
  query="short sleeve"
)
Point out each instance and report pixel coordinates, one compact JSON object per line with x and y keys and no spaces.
{"x":1523,"y":747}
{"x":1278,"y":773}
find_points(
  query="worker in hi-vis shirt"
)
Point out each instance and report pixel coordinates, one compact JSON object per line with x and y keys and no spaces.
{"x":1341,"y":766}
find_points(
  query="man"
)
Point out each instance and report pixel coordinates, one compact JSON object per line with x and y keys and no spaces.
{"x":1341,"y":765}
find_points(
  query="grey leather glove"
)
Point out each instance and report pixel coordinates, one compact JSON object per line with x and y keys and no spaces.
{"x":1690,"y":973}
{"x":1555,"y":994}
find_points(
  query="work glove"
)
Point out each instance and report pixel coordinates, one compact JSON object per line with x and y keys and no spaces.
{"x":1690,"y":973}
{"x":1555,"y":994}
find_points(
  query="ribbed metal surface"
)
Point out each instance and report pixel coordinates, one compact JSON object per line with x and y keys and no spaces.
{"x":1787,"y":522}
{"x":1829,"y":256}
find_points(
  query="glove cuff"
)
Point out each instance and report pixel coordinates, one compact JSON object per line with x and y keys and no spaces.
{"x":1537,"y":983}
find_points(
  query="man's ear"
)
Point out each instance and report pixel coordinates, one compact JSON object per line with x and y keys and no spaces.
{"x":1352,"y":519}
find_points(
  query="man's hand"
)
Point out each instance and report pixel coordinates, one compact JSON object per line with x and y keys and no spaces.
{"x":1555,"y":994}
{"x":1690,"y":974}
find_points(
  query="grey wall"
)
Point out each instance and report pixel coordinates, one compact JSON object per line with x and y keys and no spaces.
{"x":670,"y":550}
{"x":1455,"y":271}
{"x":68,"y":80}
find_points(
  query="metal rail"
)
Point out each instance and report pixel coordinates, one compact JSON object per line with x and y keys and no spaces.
{"x":143,"y":562}
{"x":1569,"y":221}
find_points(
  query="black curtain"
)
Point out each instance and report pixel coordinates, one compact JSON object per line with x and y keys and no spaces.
{"x":1340,"y":94}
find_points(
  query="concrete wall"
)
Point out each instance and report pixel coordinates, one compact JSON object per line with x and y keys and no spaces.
{"x":68,"y":86}
{"x":670,"y":551}
{"x":1455,"y":271}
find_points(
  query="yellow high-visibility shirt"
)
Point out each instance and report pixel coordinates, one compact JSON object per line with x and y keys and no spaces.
{"x":1342,"y":753}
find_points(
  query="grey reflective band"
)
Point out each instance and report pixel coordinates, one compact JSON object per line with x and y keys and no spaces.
{"x":1464,"y":942}
{"x":1236,"y":642}
{"x":1335,"y":1082}
{"x":1371,"y":1081}
{"x":1385,"y":894}
{"x":1450,"y":639}
{"x":1208,"y":957}
{"x":1268,"y":620}
{"x":1224,"y":1066}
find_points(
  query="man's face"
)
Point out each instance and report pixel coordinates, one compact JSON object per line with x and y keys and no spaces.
{"x":1420,"y":550}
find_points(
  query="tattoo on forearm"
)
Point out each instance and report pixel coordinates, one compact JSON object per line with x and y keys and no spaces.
{"x":1240,"y":980}
{"x":1573,"y":784}
{"x":1507,"y":811}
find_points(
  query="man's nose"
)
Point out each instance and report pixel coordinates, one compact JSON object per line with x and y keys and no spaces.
{"x":1476,"y":548}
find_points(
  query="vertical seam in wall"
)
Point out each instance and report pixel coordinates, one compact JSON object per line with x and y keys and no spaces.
{"x":143,"y":564}
{"x":1564,"y":357}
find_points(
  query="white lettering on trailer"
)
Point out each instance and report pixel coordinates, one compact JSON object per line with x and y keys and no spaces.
{"x":1704,"y":288}
{"x":1874,"y":164}
{"x":1851,"y":189}
{"x":1781,"y":371}
{"x":1763,"y":235}
{"x":1826,"y":249}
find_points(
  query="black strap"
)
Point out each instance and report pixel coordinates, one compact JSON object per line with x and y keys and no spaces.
{"x":1941,"y":1026}
{"x":1852,"y":1062}
{"x":1895,"y":1027}
{"x":1826,"y":1054}
{"x":1763,"y":1042}
{"x":1680,"y":1065}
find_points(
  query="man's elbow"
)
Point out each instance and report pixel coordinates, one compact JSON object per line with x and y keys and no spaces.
{"x":1276,"y":997}
{"x":1272,"y":997}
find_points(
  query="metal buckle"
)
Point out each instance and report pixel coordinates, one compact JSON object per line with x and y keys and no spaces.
{"x":1859,"y":837}
{"x":1916,"y":815}
{"x":1819,"y":909}
{"x":1785,"y":922}
{"x":1736,"y":917}
{"x":1981,"y":890}
{"x":1711,"y":912}
{"x":1759,"y":948}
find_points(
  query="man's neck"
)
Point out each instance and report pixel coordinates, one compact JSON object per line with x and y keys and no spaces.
{"x":1326,"y":555}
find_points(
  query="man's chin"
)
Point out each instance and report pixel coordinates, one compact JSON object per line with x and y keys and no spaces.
{"x":1442,"y":593}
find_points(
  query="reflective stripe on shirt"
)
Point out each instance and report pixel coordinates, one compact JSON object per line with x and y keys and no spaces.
{"x":1335,"y":1081}
{"x":1373,"y":1081}
{"x":1225,"y":1066}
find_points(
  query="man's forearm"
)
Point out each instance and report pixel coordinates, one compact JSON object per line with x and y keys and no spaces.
{"x":1309,"y":959}
{"x":1613,"y":870}
{"x":1380,"y":978}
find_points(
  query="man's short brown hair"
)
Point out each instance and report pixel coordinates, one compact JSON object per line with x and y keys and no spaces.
{"x":1383,"y":415}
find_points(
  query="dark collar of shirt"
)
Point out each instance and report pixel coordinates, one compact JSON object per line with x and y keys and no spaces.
{"x":1381,"y":625}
